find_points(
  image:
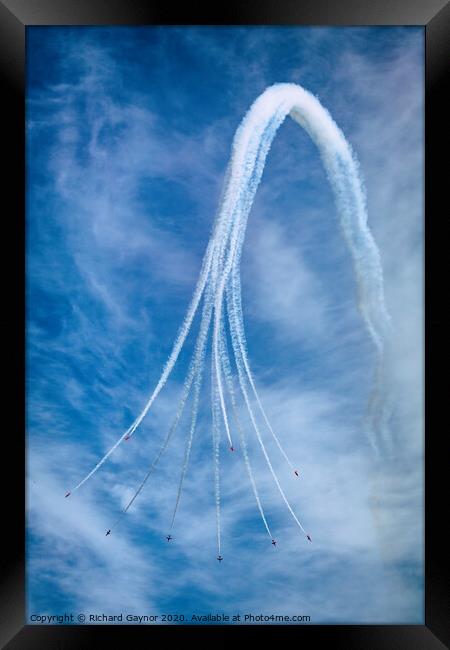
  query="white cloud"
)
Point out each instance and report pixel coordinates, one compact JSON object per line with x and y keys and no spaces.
{"x":350,"y":571}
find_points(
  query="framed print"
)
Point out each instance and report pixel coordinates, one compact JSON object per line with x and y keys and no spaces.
{"x":220,"y":235}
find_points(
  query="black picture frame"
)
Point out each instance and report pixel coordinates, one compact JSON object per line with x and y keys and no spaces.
{"x":15,"y":16}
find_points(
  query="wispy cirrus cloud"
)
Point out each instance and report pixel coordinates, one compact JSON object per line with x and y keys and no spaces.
{"x":123,"y":186}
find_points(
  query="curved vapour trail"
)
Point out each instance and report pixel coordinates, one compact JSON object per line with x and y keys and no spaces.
{"x":225,"y":359}
{"x":242,"y":383}
{"x":342,"y":170}
{"x":194,"y":376}
{"x":187,"y":453}
{"x":201,"y":346}
{"x":170,"y":363}
{"x":215,"y":430}
{"x":220,"y":274}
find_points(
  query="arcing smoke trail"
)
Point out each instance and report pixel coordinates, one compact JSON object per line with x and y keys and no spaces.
{"x":194,"y":375}
{"x":229,"y":381}
{"x":242,"y":380}
{"x":179,"y":341}
{"x":215,"y":429}
{"x":199,"y":364}
{"x":220,"y":274}
{"x":342,"y":169}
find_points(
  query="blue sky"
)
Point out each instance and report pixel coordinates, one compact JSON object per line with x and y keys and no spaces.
{"x":128,"y":136}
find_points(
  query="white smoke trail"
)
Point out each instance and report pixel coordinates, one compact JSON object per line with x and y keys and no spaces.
{"x":229,"y":381}
{"x":234,"y":298}
{"x":342,"y":170}
{"x":241,"y":375}
{"x":197,"y":386}
{"x":189,"y":440}
{"x":222,"y":238}
{"x":219,"y":275}
{"x":155,"y":461}
{"x":236,"y":199}
{"x":194,"y":373}
{"x":253,"y":162}
{"x":218,"y":372}
{"x":179,"y":341}
{"x":258,"y":144}
{"x":183,"y":332}
{"x":215,"y":409}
